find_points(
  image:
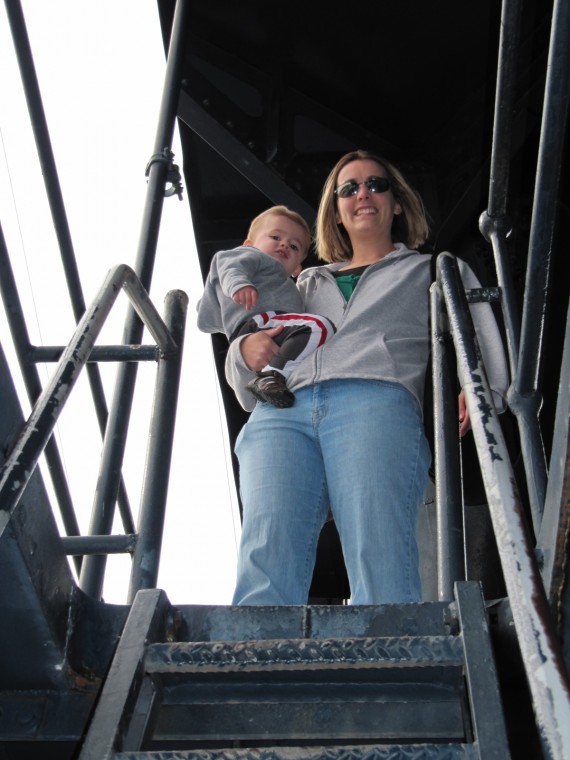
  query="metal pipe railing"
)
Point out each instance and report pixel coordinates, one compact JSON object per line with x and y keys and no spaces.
{"x":493,"y":223}
{"x":82,"y":545}
{"x":146,"y":558}
{"x":448,"y":492}
{"x":552,"y":136}
{"x":47,"y":354}
{"x":61,"y":226}
{"x":93,"y":570}
{"x":552,"y":541}
{"x":542,"y":658}
{"x":524,"y":343}
{"x":45,"y":153}
{"x":504,"y":108}
{"x":524,"y":399}
{"x":26,"y":451}
{"x":33,"y":385}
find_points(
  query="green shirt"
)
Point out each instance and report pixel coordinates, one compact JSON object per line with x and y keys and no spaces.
{"x":347,"y":280}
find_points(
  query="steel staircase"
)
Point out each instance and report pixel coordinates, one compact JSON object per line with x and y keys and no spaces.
{"x":466,"y":678}
{"x":397,"y":681}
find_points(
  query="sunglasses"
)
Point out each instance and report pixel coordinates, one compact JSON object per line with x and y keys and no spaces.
{"x":372,"y":184}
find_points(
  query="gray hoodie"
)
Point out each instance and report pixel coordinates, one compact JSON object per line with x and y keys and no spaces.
{"x":382,"y":331}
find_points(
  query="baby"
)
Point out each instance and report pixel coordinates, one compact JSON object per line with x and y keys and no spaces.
{"x":251,"y":288}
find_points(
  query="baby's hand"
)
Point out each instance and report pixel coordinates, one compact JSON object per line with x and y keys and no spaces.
{"x":246,"y":297}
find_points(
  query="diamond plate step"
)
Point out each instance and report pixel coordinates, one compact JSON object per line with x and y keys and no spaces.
{"x":376,"y":752}
{"x":400,"y":681}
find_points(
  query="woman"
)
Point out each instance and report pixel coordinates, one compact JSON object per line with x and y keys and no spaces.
{"x":354,"y":440}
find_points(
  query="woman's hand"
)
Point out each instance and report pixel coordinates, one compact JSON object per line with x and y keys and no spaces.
{"x":464,"y":421}
{"x":259,"y":348}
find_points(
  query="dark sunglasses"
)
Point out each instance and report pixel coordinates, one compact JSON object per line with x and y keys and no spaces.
{"x":373,"y":185}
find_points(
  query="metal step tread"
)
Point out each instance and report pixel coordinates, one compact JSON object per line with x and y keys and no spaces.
{"x":353,"y":752}
{"x":380,"y":686}
{"x":405,"y":716}
{"x":348,"y":653}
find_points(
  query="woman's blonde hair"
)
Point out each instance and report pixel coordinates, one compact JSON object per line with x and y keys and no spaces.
{"x":410,"y":227}
{"x":281,"y":211}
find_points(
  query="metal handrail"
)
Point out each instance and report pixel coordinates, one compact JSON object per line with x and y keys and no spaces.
{"x":447,"y":460}
{"x":146,"y":556}
{"x":33,"y":385}
{"x":46,"y":157}
{"x":541,"y":655}
{"x":25,"y":453}
{"x":536,"y":630}
{"x":524,"y":398}
{"x":494,"y":223}
{"x":36,"y":433}
{"x":93,"y":569}
{"x":113,"y":424}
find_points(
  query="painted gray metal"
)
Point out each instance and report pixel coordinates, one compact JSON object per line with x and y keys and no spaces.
{"x":552,"y":541}
{"x":63,"y":233}
{"x":544,"y":664}
{"x":447,"y":464}
{"x":22,"y":460}
{"x":65,"y":640}
{"x":363,"y":752}
{"x":146,"y":558}
{"x":103,"y":510}
{"x":267,"y":690}
{"x":524,"y":397}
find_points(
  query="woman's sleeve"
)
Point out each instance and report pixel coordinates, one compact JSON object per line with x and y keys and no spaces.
{"x":489,"y":339}
{"x":238,"y":375}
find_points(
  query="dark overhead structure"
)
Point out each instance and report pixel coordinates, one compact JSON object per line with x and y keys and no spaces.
{"x":268,"y":105}
{"x":470,"y":99}
{"x":269,"y":101}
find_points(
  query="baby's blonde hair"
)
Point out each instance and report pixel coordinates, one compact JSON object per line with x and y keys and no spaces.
{"x":280,"y":211}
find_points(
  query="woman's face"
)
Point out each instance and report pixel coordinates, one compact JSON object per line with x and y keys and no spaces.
{"x":366,"y":212}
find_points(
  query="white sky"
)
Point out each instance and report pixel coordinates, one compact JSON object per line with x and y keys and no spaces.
{"x":100,"y":67}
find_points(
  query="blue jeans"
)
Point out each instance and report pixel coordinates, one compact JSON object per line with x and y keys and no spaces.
{"x":354,"y":446}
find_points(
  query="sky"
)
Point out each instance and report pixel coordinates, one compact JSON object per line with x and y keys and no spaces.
{"x":100,"y":67}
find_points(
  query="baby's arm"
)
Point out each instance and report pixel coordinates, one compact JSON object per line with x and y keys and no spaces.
{"x":237,"y":270}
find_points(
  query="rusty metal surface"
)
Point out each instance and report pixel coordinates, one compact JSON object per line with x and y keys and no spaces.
{"x":540,"y":648}
{"x":351,"y":653}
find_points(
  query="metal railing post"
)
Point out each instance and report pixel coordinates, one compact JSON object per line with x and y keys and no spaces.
{"x":524,"y":398}
{"x":540,"y":650}
{"x":449,"y":500}
{"x":26,"y":451}
{"x":61,"y":226}
{"x":93,"y":570}
{"x":32,"y":381}
{"x":493,"y":223}
{"x":146,"y":557}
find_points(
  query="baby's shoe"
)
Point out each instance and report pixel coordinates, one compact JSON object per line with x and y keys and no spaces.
{"x":271,"y":387}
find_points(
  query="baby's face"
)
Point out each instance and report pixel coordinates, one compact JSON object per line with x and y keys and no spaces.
{"x":283,"y":240}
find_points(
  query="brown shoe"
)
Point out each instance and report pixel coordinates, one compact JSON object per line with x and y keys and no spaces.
{"x":271,"y":388}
